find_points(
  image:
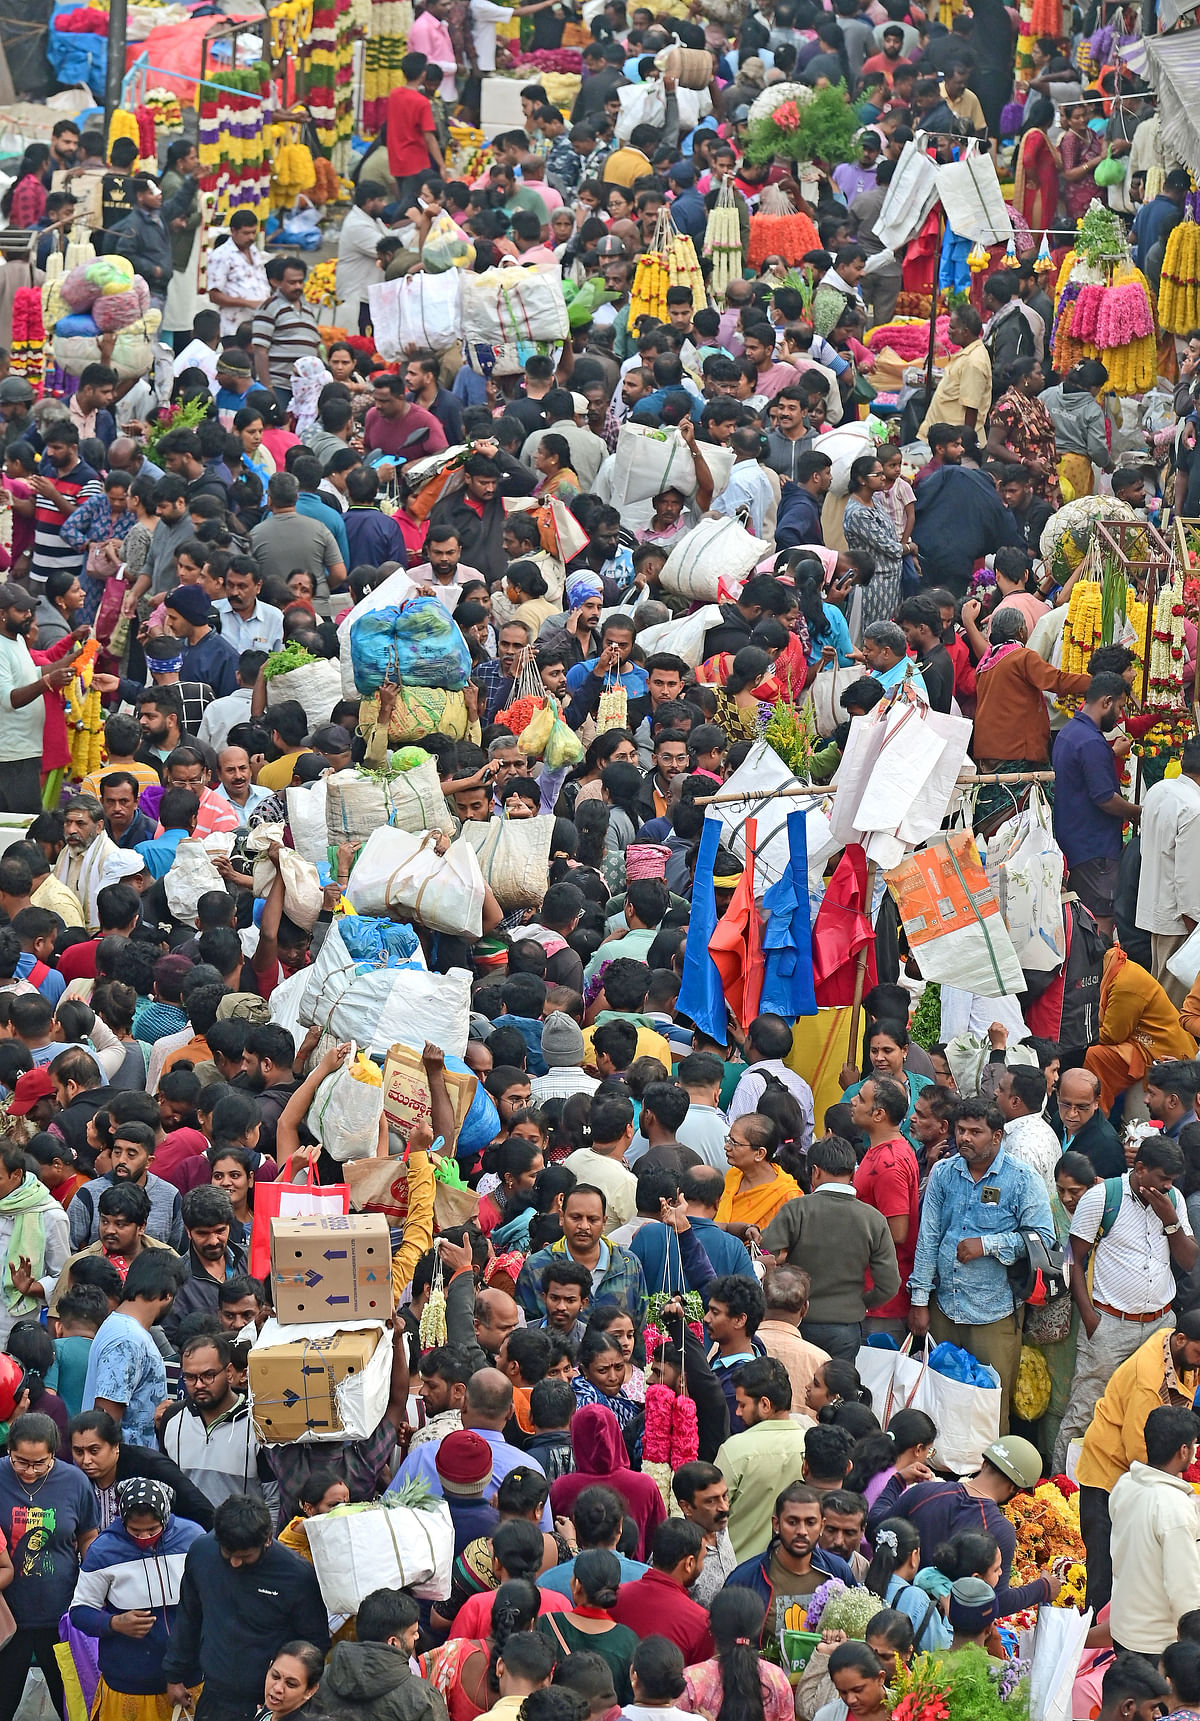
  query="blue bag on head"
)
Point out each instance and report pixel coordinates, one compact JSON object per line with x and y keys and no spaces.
{"x":482,"y":1122}
{"x":415,"y":643}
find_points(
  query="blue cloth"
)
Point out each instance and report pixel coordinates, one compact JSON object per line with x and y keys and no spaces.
{"x":1152,"y":224}
{"x":558,"y":1578}
{"x":976,"y":1293}
{"x":907,"y":1598}
{"x":212,"y":660}
{"x":69,"y":1373}
{"x":530,"y":1030}
{"x":314,"y":509}
{"x":787,"y":937}
{"x":423,"y":1464}
{"x":51,"y":985}
{"x":754,"y":1573}
{"x":701,"y":996}
{"x":632,"y":678}
{"x":838,"y":636}
{"x":668,"y":1268}
{"x":131,"y":1665}
{"x":373,"y":538}
{"x":159,"y":854}
{"x":954,"y":274}
{"x":798,"y":520}
{"x":689,"y":214}
{"x":1085,"y":776}
{"x":126,"y":1367}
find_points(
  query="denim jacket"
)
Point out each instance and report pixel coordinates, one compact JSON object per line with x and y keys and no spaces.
{"x":975,"y":1293}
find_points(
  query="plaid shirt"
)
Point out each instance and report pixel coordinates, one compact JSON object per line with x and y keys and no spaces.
{"x":621,"y":1281}
{"x":496,"y":687}
{"x":563,"y":167}
{"x":361,"y":1464}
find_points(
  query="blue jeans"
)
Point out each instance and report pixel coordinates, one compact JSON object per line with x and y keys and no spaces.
{"x":836,"y":1337}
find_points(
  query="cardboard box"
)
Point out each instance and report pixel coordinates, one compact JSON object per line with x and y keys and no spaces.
{"x":406,"y":1091}
{"x":327,"y":1269}
{"x":323,"y":1387}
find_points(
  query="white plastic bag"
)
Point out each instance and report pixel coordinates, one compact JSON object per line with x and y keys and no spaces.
{"x":359,"y":1549}
{"x":385,"y":851}
{"x":383,"y":297}
{"x":684,"y":637}
{"x":192,"y":874}
{"x":303,"y":896}
{"x":825,"y":694}
{"x":641,"y":104}
{"x":1025,"y":867}
{"x":967,"y":1417}
{"x":1184,"y":963}
{"x":317,"y":686}
{"x":1058,"y":1647}
{"x":514,"y":856}
{"x":306,"y":820}
{"x":442,"y":891}
{"x":715,"y":549}
{"x":345,"y":1112}
{"x":431,"y":314}
{"x":514,"y":303}
{"x":384,"y":1005}
{"x":650,"y":460}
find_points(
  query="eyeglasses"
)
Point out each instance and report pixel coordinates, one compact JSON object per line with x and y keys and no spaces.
{"x":206,"y":1379}
{"x":31,"y":1464}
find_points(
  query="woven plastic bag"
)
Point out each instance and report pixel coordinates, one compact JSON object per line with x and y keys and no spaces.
{"x":712,"y":550}
{"x":347,"y":1107}
{"x":430,"y":310}
{"x":648,"y":460}
{"x":316,"y":686}
{"x":514,"y":303}
{"x":514,"y":856}
{"x":442,"y":891}
{"x":192,"y":873}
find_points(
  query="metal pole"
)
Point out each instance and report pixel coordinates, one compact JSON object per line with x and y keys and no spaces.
{"x":115,"y":73}
{"x":831,"y":788}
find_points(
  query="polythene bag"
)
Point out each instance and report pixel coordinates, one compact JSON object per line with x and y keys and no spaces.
{"x":430,"y":310}
{"x":1025,"y":866}
{"x":357,"y":1549}
{"x":650,"y":460}
{"x":514,"y":855}
{"x":442,"y":891}
{"x":284,"y":1199}
{"x":345,"y":1112}
{"x":514,"y":303}
{"x":714,"y":548}
{"x":967,"y":1417}
{"x":684,"y":637}
{"x":415,"y":642}
{"x":303,"y":897}
{"x":446,"y":247}
{"x":316,"y":686}
{"x":192,"y":873}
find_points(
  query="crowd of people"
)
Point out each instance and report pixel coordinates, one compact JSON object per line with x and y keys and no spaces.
{"x":650,"y":1205}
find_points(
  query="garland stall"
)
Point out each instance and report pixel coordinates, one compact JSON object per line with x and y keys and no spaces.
{"x":385,"y":47}
{"x":1179,"y":288}
{"x":234,"y":157}
{"x":1104,"y":307}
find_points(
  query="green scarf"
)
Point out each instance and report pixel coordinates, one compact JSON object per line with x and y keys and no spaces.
{"x":26,"y":1205}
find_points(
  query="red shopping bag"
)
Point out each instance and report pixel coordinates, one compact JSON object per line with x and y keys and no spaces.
{"x":284,"y":1199}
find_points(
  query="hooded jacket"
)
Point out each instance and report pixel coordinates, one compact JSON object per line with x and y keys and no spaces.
{"x":1155,"y":1555}
{"x":959,"y":518}
{"x":600,"y":1456}
{"x":116,"y":1577}
{"x":1078,"y":423}
{"x":375,"y":1682}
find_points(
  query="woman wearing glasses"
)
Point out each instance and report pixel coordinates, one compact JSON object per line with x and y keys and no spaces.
{"x":48,"y":1518}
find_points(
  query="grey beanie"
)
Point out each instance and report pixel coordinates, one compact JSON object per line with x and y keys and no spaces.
{"x":562,"y":1042}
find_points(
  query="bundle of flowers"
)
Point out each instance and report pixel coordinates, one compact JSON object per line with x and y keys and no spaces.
{"x":963,"y":1687}
{"x":1047,"y":1526}
{"x":1124,"y":315}
{"x":1179,"y":285}
{"x":671,"y":1437}
{"x":837,"y":1607}
{"x":1065,"y":537}
{"x":821,"y":128}
{"x":775,"y":95}
{"x":1164,"y":690}
{"x":27,"y":356}
{"x":548,"y":59}
{"x":909,"y":338}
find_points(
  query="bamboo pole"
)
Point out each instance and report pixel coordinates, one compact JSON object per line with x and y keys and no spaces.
{"x":820,"y":790}
{"x":860,"y":970}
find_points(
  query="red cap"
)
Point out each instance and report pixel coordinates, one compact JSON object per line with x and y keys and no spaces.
{"x":464,"y":1463}
{"x":31,"y":1087}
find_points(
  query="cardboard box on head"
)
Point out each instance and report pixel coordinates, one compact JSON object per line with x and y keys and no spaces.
{"x":325,"y":1269}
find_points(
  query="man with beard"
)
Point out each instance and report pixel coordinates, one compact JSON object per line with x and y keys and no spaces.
{"x":1089,"y":810}
{"x":703,"y":1496}
{"x":160,"y":714}
{"x":795,"y":1564}
{"x":88,"y":848}
{"x":210,"y":1435}
{"x":132,"y":1152}
{"x":124,"y":1210}
{"x":21,"y":704}
{"x":267,"y":1071}
{"x":61,"y":483}
{"x":444,"y":566}
{"x":211,"y":1258}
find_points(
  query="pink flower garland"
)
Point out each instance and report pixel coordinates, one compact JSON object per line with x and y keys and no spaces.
{"x":656,"y":1439}
{"x":1124,"y":316}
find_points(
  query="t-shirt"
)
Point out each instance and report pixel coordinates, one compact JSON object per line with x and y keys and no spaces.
{"x":886,"y":1179}
{"x":40,"y":1524}
{"x":49,"y":551}
{"x":388,"y":435}
{"x":786,"y":1586}
{"x":71,"y":1360}
{"x":125,"y":1366}
{"x":409,"y":117}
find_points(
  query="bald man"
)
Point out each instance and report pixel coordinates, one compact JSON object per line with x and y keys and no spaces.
{"x":488,"y":1407}
{"x":125,"y":455}
{"x":1084,"y":1127}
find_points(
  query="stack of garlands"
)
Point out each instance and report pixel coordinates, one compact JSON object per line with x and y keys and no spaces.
{"x":1164,"y":689}
{"x":652,"y":277}
{"x":292,"y":167}
{"x":778,"y":229}
{"x":85,"y":717}
{"x":723,"y":240}
{"x":330,"y":76}
{"x":1047,"y":1526}
{"x":671,"y":1437}
{"x":1179,"y":287}
{"x":27,"y":356}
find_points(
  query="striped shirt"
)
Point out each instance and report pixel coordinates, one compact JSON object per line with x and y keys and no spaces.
{"x":49,"y":550}
{"x":289,"y":333}
{"x":1132,"y":1269}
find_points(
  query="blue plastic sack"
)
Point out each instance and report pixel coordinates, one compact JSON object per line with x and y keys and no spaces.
{"x":378,"y":943}
{"x":415,"y":643}
{"x":80,"y":323}
{"x":958,"y":1364}
{"x":482,"y":1122}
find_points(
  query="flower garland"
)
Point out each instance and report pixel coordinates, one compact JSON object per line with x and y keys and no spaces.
{"x":1179,"y":286}
{"x":234,"y":159}
{"x":1164,"y":692}
{"x":27,"y":357}
{"x":671,"y":1437}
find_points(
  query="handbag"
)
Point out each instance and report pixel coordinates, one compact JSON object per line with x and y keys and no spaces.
{"x":103,"y":559}
{"x":283,"y":1199}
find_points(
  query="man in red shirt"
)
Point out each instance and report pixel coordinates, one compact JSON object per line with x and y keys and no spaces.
{"x":658,"y":1603}
{"x":393,"y":420}
{"x":412,"y":143}
{"x":890,"y":58}
{"x":886,"y":1180}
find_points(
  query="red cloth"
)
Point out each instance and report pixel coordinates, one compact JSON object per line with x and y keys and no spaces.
{"x":921,"y":257}
{"x":841,"y":929}
{"x":600,"y":1456}
{"x":180,"y":1159}
{"x":79,"y":962}
{"x":657,"y":1606}
{"x":474,"y":1617}
{"x":409,"y":117}
{"x":886,"y":1179}
{"x":56,"y":747}
{"x":736,"y":943}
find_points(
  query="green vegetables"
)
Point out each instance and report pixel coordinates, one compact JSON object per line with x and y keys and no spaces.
{"x":414,"y":1494}
{"x":926,"y":1025}
{"x":408,"y":758}
{"x":1101,"y":236}
{"x":292,"y":656}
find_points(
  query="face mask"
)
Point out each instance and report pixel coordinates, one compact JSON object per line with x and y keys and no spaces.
{"x":144,"y":1540}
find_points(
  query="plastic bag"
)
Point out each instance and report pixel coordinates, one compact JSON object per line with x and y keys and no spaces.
{"x":345,"y":1112}
{"x":446,"y":247}
{"x":1025,"y":866}
{"x":514,"y":304}
{"x":443,"y":891}
{"x":192,"y":874}
{"x":514,"y":855}
{"x":414,"y":642}
{"x":430,"y":310}
{"x":714,"y":548}
{"x":563,"y":747}
{"x":536,"y":733}
{"x":303,"y":896}
{"x":315,"y":686}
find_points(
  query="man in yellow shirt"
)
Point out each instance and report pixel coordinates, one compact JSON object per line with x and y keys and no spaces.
{"x":1162,"y":1371}
{"x":965,"y":391}
{"x":963,"y":103}
{"x":289,"y":726}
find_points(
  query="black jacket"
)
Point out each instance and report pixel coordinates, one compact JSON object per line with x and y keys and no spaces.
{"x":481,"y":534}
{"x":959,"y":518}
{"x":144,"y":238}
{"x":375,"y":1683}
{"x":1099,"y":1141}
{"x":731,"y":633}
{"x":72,"y":1121}
{"x":199,"y":1291}
{"x":148,"y":1461}
{"x":232,"y":1622}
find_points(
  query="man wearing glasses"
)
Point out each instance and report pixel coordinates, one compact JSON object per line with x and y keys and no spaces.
{"x":210,"y":1435}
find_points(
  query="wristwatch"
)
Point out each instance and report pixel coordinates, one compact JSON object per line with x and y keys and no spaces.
{"x":1170,"y":1230}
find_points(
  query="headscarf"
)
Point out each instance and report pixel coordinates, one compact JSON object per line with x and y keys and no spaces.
{"x":308,"y":379}
{"x":162,"y":660}
{"x":144,"y":1494}
{"x":580,"y":587}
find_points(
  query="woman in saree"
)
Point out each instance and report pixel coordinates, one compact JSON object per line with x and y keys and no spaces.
{"x":1020,"y":431}
{"x":1035,"y":188}
{"x":755,"y":1187}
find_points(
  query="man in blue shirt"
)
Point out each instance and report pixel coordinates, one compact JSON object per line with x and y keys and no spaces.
{"x":207,"y":657}
{"x":978,"y":1203}
{"x":687,"y":206}
{"x":308,"y":472}
{"x":1089,"y":811}
{"x":178,"y":811}
{"x":1155,"y":221}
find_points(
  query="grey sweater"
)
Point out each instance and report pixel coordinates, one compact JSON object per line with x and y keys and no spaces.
{"x":837,"y":1239}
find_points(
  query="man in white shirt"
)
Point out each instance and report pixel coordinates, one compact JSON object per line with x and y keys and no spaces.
{"x":237,"y":787}
{"x":357,"y":258}
{"x":201,"y":351}
{"x":246,"y":622}
{"x":748,"y":486}
{"x":22,"y":711}
{"x":768,"y":1042}
{"x":220,"y":717}
{"x":1021,"y":1095}
{"x":1168,"y":904}
{"x":602,"y":1164}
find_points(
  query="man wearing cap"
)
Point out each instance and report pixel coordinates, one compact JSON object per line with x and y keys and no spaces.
{"x":563,"y":1049}
{"x":22,"y":711}
{"x":33,"y":1097}
{"x":464,"y":1469}
{"x":1161,"y":1371}
{"x":16,"y":398}
{"x":207,"y":657}
{"x":87,"y":848}
{"x":940,"y":1509}
{"x":687,"y":206}
{"x":33,"y":1230}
